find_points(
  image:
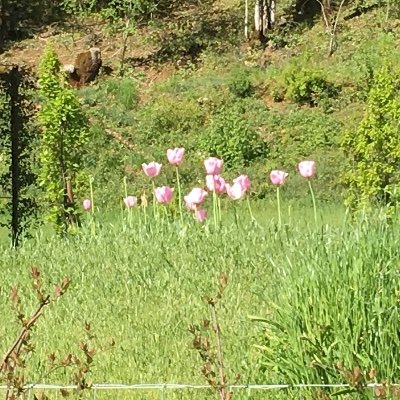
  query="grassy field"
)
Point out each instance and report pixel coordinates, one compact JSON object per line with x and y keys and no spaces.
{"x":329,"y":294}
{"x":145,"y":288}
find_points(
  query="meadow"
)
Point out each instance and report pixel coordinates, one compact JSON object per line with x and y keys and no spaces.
{"x":145,"y":285}
{"x":311,"y":298}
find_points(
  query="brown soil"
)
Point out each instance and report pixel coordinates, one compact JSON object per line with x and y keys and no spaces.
{"x":68,"y":44}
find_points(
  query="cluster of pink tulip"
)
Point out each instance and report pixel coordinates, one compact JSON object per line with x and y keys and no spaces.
{"x":214,"y":182}
{"x":307,"y":169}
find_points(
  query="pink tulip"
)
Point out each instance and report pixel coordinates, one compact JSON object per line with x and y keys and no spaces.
{"x":200,"y":215}
{"x":152,"y":169}
{"x":87,"y":205}
{"x":213,"y":165}
{"x":130,"y":201}
{"x":191,"y":206}
{"x":244,"y":180}
{"x":196,"y":196}
{"x":164,"y":194}
{"x":307,"y":169}
{"x":278,"y":177}
{"x":235,"y":191}
{"x":175,"y":156}
{"x":215,"y":182}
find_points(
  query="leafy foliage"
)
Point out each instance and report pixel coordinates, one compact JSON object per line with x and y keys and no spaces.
{"x":19,"y":83}
{"x":240,"y":84}
{"x":374,"y":148}
{"x":19,"y":17}
{"x":63,"y":139}
{"x":311,"y":87}
{"x":230,"y":136}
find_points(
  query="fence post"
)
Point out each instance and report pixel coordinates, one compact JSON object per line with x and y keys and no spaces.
{"x":14,"y":81}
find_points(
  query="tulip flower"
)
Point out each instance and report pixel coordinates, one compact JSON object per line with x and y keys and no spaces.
{"x":244,"y":180}
{"x":278,"y":177}
{"x":191,"y":206}
{"x":235,"y":191}
{"x":307,"y":169}
{"x":215,"y":183}
{"x":152,"y":169}
{"x":163,"y":194}
{"x":213,"y":165}
{"x":175,"y":156}
{"x":87,"y":205}
{"x":196,"y":196}
{"x":130,"y":201}
{"x":200,"y":215}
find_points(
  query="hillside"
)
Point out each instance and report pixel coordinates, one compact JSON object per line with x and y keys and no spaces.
{"x":192,"y":80}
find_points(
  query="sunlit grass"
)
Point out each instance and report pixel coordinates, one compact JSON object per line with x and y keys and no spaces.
{"x":145,"y":286}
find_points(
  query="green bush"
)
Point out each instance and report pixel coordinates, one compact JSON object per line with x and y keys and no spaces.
{"x":64,"y":134}
{"x":240,"y":84}
{"x":310,"y":87}
{"x":297,"y":134}
{"x":169,"y":121}
{"x":230,"y":136}
{"x":373,"y":150}
{"x":124,"y":91}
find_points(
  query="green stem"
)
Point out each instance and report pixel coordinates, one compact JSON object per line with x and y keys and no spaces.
{"x":251,"y":212}
{"x":92,"y":201}
{"x":279,"y":208}
{"x":235,"y":213}
{"x":91,"y":192}
{"x":215,"y":209}
{"x":145,"y":215}
{"x":179,"y":194}
{"x":155,"y":213}
{"x":314,"y":205}
{"x":219,"y":210}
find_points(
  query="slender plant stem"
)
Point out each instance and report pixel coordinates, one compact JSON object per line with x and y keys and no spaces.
{"x":154,"y":202}
{"x":145,"y":215}
{"x":279,"y":208}
{"x":235,"y":213}
{"x":215,"y":209}
{"x":314,"y":205}
{"x":220,"y":355}
{"x":179,"y":194}
{"x":251,"y":212}
{"x":92,"y":203}
{"x":91,"y":192}
{"x":219,"y":210}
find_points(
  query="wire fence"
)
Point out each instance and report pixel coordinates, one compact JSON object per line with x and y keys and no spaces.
{"x":164,"y":387}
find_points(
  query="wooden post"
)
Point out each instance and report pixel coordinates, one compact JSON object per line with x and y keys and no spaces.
{"x":16,"y":121}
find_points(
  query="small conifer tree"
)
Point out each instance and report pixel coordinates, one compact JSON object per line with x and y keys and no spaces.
{"x":62,"y":142}
{"x":374,"y":148}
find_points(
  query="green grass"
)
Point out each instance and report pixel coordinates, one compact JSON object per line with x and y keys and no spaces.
{"x":145,"y":288}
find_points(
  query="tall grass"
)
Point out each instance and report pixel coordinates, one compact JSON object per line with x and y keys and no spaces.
{"x":145,"y":287}
{"x":335,"y":306}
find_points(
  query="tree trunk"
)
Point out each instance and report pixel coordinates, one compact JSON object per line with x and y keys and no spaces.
{"x":264,"y":18}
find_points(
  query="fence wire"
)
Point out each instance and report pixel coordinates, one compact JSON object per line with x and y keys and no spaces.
{"x":180,"y":386}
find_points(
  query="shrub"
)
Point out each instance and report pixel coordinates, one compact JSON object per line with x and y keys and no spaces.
{"x":240,"y":84}
{"x":296,"y":134}
{"x":311,"y":87}
{"x":230,"y":136}
{"x":64,"y":135}
{"x":373,"y":150}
